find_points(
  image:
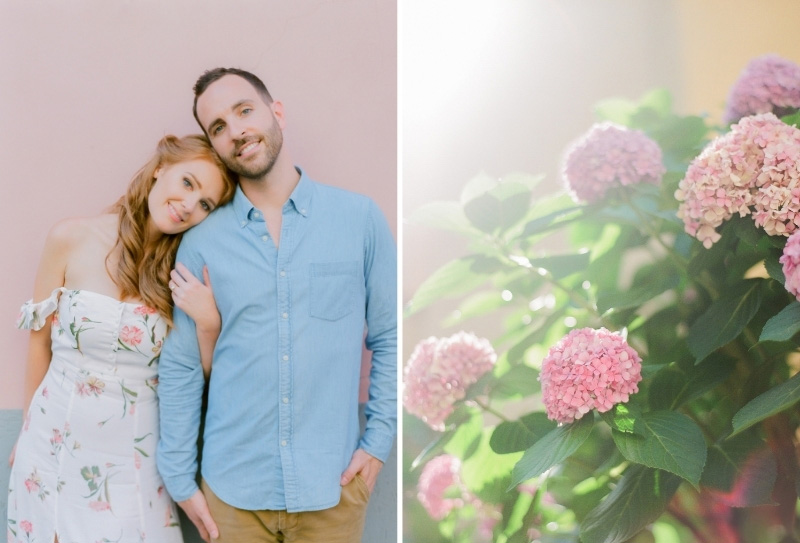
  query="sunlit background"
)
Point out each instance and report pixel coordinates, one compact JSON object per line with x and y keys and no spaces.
{"x":502,"y":87}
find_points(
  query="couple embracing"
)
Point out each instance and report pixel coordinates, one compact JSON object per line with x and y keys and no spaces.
{"x":301,"y":274}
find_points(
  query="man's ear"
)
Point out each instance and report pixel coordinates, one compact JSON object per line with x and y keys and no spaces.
{"x":277,"y":109}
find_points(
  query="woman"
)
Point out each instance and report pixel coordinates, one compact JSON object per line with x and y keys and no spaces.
{"x":84,"y":467}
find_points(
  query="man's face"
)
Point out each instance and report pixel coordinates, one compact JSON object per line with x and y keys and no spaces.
{"x":246,"y":133}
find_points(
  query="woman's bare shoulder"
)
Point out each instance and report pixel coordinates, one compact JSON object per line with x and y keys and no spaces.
{"x":76,"y":230}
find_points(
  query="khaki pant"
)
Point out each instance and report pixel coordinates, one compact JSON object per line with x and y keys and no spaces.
{"x":343,"y":523}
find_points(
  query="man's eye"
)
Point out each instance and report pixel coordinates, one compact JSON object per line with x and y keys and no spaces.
{"x":217,"y":129}
{"x":246,"y":111}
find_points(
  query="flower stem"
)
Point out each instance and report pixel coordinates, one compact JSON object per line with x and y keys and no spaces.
{"x":486,"y":407}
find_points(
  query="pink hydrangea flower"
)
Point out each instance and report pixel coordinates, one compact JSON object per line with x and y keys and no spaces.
{"x":608,"y":155}
{"x":438,"y":479}
{"x":441,"y":490}
{"x":750,"y":169}
{"x":768,"y":84}
{"x":776,"y":203}
{"x":439,"y":372}
{"x":25,"y":526}
{"x":588,"y":369}
{"x":791,"y":264}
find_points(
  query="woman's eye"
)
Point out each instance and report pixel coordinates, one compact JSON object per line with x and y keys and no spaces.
{"x":187,"y":183}
{"x":246,"y":111}
{"x":205,"y":206}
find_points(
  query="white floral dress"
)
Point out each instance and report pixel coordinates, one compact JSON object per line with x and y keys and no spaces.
{"x":85,"y":469}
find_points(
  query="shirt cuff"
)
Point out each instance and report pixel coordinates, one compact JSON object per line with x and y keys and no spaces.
{"x":377,"y":444}
{"x":181,"y":488}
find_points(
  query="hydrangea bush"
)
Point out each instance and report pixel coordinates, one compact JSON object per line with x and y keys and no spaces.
{"x":643,"y":382}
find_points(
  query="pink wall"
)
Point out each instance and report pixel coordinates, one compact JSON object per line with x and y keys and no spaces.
{"x":89,"y":86}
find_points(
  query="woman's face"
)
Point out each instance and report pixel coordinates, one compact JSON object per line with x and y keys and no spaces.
{"x":183,"y":195}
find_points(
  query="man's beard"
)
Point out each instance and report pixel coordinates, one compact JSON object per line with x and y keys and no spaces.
{"x":273,"y":141}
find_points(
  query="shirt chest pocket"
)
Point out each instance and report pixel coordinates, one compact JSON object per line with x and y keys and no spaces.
{"x":333,"y":289}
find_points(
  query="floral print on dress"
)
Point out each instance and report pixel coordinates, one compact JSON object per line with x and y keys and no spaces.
{"x":97,"y":482}
{"x":34,"y":485}
{"x":90,"y":386}
{"x":86,"y":455}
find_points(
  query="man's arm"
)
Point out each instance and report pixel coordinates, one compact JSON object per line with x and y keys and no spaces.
{"x":180,"y":392}
{"x":380,"y":272}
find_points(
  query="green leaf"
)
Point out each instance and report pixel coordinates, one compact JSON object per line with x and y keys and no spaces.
{"x":666,"y":388}
{"x":743,"y":469}
{"x":434,"y":448}
{"x":616,"y":110}
{"x":674,"y":386}
{"x":444,"y":215}
{"x":551,"y":449}
{"x":490,"y":203}
{"x":520,"y":380}
{"x":555,"y":219}
{"x":793,"y":119}
{"x":454,"y":278}
{"x":475,"y":187}
{"x":724,"y":320}
{"x":680,"y":138}
{"x":467,"y":435}
{"x":651,"y":285}
{"x":654,"y":105}
{"x":560,"y":266}
{"x":485,"y":472}
{"x":782,"y":326}
{"x":624,"y":418}
{"x":671,"y":442}
{"x":475,"y":305}
{"x":490,"y":212}
{"x":518,"y":435}
{"x":638,"y":499}
{"x":775,"y":268}
{"x":767,"y":404}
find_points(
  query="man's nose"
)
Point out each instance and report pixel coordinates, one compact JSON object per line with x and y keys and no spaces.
{"x":237,"y":128}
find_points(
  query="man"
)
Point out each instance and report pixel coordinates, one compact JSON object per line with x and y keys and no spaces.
{"x":299,"y":270}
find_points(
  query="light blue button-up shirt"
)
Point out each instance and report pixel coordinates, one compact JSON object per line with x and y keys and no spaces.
{"x":282,"y":420}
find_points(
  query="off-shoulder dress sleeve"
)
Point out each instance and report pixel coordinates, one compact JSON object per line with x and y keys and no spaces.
{"x":32,"y":316}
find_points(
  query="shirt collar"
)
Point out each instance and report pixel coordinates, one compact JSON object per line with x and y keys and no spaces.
{"x":301,"y":195}
{"x":300,"y":199}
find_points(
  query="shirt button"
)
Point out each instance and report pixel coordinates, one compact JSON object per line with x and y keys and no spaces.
{"x":286,"y":400}
{"x":244,"y":223}
{"x":283,"y":273}
{"x":256,"y":215}
{"x":283,"y":443}
{"x":303,"y":211}
{"x":285,"y":315}
{"x":285,"y":357}
{"x":264,"y":238}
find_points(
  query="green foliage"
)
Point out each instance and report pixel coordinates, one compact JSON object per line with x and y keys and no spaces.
{"x":551,"y":449}
{"x":670,"y":442}
{"x":716,"y":330}
{"x":638,"y":499}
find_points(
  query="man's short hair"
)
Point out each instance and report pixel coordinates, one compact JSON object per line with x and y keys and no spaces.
{"x":210,"y":76}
